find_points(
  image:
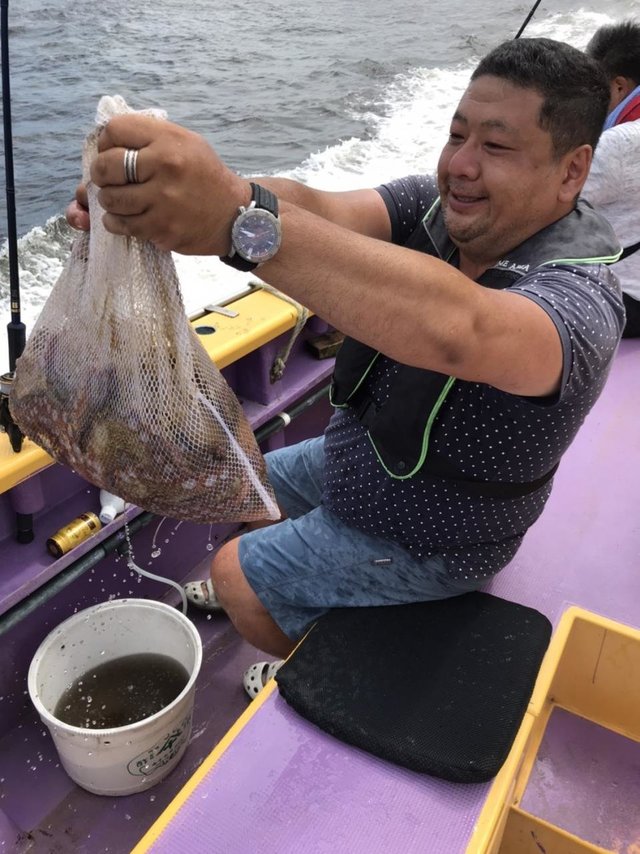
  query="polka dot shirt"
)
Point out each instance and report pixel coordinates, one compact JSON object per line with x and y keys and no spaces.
{"x":486,"y":433}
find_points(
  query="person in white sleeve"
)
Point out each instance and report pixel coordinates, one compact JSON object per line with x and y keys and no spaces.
{"x":613,"y":185}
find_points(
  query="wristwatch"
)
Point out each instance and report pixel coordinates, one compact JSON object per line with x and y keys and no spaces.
{"x":255,"y":233}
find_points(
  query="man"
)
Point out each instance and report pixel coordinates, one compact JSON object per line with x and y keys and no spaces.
{"x":475,"y":350}
{"x":613,"y":186}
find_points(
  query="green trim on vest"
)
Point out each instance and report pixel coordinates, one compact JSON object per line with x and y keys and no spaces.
{"x":608,"y":259}
{"x":366,"y":373}
{"x":425,"y":436}
{"x":431,"y":210}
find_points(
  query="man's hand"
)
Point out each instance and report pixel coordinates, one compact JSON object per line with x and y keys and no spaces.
{"x":77,"y":213}
{"x":186,"y":198}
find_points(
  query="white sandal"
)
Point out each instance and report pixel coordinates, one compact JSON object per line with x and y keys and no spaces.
{"x":257,"y":676}
{"x":202,"y":595}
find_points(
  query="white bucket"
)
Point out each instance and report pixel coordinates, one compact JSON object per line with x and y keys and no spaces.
{"x":129,"y":758}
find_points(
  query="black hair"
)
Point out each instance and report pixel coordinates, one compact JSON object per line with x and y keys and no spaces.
{"x":573,"y":87}
{"x":617,"y":48}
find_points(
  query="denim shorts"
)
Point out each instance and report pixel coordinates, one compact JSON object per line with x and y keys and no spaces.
{"x":311,"y":561}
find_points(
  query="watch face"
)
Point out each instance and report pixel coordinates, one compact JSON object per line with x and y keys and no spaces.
{"x":256,"y":235}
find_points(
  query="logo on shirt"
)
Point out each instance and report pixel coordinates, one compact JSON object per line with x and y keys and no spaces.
{"x":505,"y":264}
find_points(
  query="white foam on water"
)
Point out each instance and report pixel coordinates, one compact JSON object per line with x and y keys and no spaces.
{"x":575,"y":28}
{"x":407,"y":138}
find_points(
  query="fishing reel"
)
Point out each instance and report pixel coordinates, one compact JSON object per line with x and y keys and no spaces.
{"x":7,"y":424}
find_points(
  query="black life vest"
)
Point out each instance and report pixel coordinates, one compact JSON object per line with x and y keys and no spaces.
{"x":401,"y":427}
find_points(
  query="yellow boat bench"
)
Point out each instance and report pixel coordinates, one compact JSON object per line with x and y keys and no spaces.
{"x":262,"y":317}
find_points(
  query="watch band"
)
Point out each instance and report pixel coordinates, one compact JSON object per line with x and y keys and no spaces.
{"x":266,"y":200}
{"x":238,"y":262}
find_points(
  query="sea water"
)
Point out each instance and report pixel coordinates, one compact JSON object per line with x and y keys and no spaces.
{"x":122,"y":691}
{"x":337,"y":95}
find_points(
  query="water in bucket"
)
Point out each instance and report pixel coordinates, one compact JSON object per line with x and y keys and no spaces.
{"x":118,"y":758}
{"x":122,"y":691}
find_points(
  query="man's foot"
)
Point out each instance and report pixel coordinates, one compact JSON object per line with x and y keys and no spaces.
{"x":257,"y":676}
{"x":202,"y":595}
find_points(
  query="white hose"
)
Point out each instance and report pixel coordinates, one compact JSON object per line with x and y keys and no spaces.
{"x":159,"y":578}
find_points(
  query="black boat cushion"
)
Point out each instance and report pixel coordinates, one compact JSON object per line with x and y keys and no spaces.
{"x":437,"y":687}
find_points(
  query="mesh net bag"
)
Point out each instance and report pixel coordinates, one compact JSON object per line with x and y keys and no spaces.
{"x":114,"y":382}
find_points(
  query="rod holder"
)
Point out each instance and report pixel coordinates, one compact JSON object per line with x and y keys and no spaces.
{"x":26,"y":499}
{"x":24,"y":528}
{"x":7,"y":424}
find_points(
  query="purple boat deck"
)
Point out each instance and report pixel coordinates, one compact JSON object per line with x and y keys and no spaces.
{"x":278,"y":784}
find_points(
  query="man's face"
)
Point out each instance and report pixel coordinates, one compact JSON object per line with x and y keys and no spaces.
{"x":498,"y":179}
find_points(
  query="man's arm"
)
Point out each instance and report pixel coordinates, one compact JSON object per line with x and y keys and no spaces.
{"x":415,"y":308}
{"x":362,"y":211}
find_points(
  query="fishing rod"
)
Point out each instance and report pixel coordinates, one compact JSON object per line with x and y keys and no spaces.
{"x":16,"y":328}
{"x":527,"y":19}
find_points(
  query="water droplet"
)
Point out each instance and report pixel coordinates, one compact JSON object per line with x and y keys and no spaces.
{"x":156,"y":553}
{"x":209,"y":547}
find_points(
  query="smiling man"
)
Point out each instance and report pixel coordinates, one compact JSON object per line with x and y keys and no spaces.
{"x":482,"y":320}
{"x":499,"y":178}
